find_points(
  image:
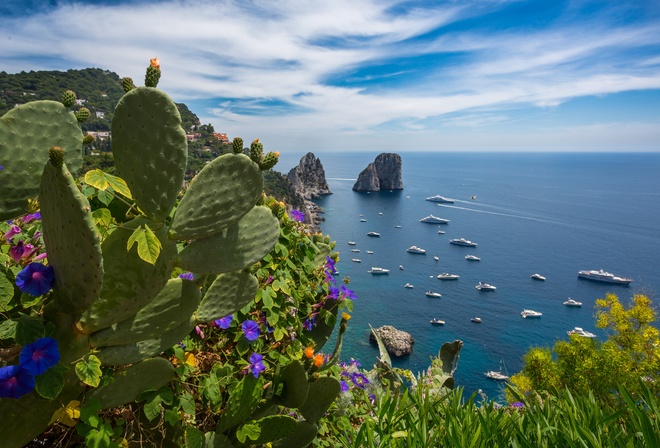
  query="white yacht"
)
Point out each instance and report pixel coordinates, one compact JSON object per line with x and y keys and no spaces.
{"x":363,"y":220}
{"x":356,"y":260}
{"x":435,"y":295}
{"x":370,"y":251}
{"x":436,"y":258}
{"x":435,"y":321}
{"x":538,"y":277}
{"x":495,"y":375}
{"x":462,"y":242}
{"x":472,"y":258}
{"x":440,"y":199}
{"x":397,"y":226}
{"x":485,"y":287}
{"x":379,"y":271}
{"x":603,"y":276}
{"x":351,"y":243}
{"x":476,"y":320}
{"x":416,"y":250}
{"x":401,"y":267}
{"x":376,"y":234}
{"x":430,"y":219}
{"x":581,"y":332}
{"x":447,"y":276}
{"x":408,"y":285}
{"x":571,"y":302}
{"x":530,"y":313}
{"x":355,"y":250}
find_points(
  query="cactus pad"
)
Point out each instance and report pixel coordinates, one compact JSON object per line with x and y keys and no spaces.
{"x":294,"y":380}
{"x":242,"y":244}
{"x":129,"y":383}
{"x":173,"y":306}
{"x":26,"y":134}
{"x":229,"y":293}
{"x":83,"y":114}
{"x":322,"y":393}
{"x":150,"y":149}
{"x":221,"y":194}
{"x":68,"y":229}
{"x":273,"y":427}
{"x":129,"y":282}
{"x":303,"y":435}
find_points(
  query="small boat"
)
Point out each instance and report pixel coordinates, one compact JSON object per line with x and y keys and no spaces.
{"x":485,"y":287}
{"x":416,"y":250}
{"x":430,"y":219}
{"x":363,"y":220}
{"x":581,"y":332}
{"x":473,"y":197}
{"x":472,"y":258}
{"x":538,"y":277}
{"x":435,"y":295}
{"x":530,"y":313}
{"x":355,"y":250}
{"x":436,"y":258}
{"x":435,"y":321}
{"x":571,"y":302}
{"x":380,"y":213}
{"x":351,"y":243}
{"x":462,"y":242}
{"x":495,"y":375}
{"x":356,"y":260}
{"x":408,"y":285}
{"x":370,"y":251}
{"x":476,"y":320}
{"x":401,"y":267}
{"x":440,"y":199}
{"x":397,"y":227}
{"x":447,"y":276}
{"x":441,"y":232}
{"x":603,"y":276}
{"x":376,"y":234}
{"x":379,"y":271}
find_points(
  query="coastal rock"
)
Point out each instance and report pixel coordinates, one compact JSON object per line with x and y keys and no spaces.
{"x":383,"y":174}
{"x":308,"y":180}
{"x":397,"y":342}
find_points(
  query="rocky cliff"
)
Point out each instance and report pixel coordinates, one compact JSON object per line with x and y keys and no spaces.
{"x":397,"y":342}
{"x":383,"y":174}
{"x":308,"y":180}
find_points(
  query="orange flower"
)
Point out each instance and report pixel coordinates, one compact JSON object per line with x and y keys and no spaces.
{"x":318,"y":360}
{"x":277,"y":153}
{"x":309,"y":352}
{"x":155,"y":63}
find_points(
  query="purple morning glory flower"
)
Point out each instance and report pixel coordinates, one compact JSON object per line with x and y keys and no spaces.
{"x":187,"y":275}
{"x":517,"y":405}
{"x":250,"y":330}
{"x":16,"y":252}
{"x":343,"y":386}
{"x":334,"y":292}
{"x":359,"y":379}
{"x":297,"y":215}
{"x":40,"y":256}
{"x":199,"y":331}
{"x":309,"y":323}
{"x":330,"y":263}
{"x":11,"y":232}
{"x":36,"y":279}
{"x":348,"y":293}
{"x":224,"y":322}
{"x":256,"y":365}
{"x":15,"y":382}
{"x":39,"y":356}
{"x":31,"y":217}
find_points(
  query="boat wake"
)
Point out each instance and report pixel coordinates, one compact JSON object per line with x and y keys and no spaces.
{"x":510,"y":215}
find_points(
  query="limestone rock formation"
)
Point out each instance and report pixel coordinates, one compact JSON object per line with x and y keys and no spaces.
{"x":308,"y":180}
{"x":383,"y":174}
{"x":397,"y":342}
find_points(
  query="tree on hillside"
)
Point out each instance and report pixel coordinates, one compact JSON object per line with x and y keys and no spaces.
{"x":631,"y":353}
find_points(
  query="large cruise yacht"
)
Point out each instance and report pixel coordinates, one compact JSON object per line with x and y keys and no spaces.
{"x":603,"y":276}
{"x":430,"y":219}
{"x":378,"y":271}
{"x":440,"y":199}
{"x":416,"y":250}
{"x":462,"y":242}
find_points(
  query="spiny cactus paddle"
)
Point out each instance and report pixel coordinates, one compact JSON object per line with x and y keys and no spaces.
{"x":227,"y":294}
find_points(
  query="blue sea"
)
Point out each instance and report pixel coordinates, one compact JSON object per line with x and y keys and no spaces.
{"x":546,"y":213}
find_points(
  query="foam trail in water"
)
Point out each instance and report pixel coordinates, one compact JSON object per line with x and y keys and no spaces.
{"x":529,"y":218}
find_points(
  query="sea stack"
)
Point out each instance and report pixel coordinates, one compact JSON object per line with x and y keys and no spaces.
{"x":308,"y":180}
{"x":397,"y":342}
{"x":383,"y":174}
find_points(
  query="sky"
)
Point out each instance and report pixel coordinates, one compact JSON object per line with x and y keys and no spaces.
{"x":373,"y":75}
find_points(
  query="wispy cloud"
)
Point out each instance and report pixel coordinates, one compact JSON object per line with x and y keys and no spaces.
{"x":347,"y":69}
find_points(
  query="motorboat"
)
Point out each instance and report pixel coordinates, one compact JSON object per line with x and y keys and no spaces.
{"x":571,"y":302}
{"x":356,"y":260}
{"x":473,"y":198}
{"x":436,"y":258}
{"x":379,"y":271}
{"x":441,"y":232}
{"x":440,"y":199}
{"x":447,"y":276}
{"x":408,"y":285}
{"x":530,"y":313}
{"x":363,"y":220}
{"x":538,"y":277}
{"x":370,"y":251}
{"x":376,"y":234}
{"x":355,"y":250}
{"x":604,"y":276}
{"x":431,"y":219}
{"x":485,"y":287}
{"x":416,"y":250}
{"x":351,"y":243}
{"x":462,"y":242}
{"x":581,"y":332}
{"x":476,"y":320}
{"x":472,"y":258}
{"x":495,"y":375}
{"x":435,"y":295}
{"x":435,"y":321}
{"x":380,"y":213}
{"x":401,"y":267}
{"x":397,"y":227}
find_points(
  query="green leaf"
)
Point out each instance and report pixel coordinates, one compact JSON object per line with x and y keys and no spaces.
{"x":152,"y":408}
{"x":6,"y":292}
{"x":102,"y":217}
{"x":249,"y":430}
{"x":8,"y":329}
{"x":27,"y":300}
{"x":148,"y":245}
{"x":88,"y":191}
{"x":50,"y":383}
{"x":101,"y":180}
{"x":29,"y":329}
{"x":105,"y":197}
{"x":89,"y":371}
{"x":194,"y":438}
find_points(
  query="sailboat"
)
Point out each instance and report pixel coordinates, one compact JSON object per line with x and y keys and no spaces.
{"x":497,"y":375}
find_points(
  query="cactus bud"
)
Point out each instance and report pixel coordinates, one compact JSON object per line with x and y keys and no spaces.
{"x":269,"y":161}
{"x":256,"y":151}
{"x":68,"y":98}
{"x":326,"y":240}
{"x":127,"y":84}
{"x":56,"y":156}
{"x":153,"y":73}
{"x":237,"y":145}
{"x":82,"y":114}
{"x":88,"y":139}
